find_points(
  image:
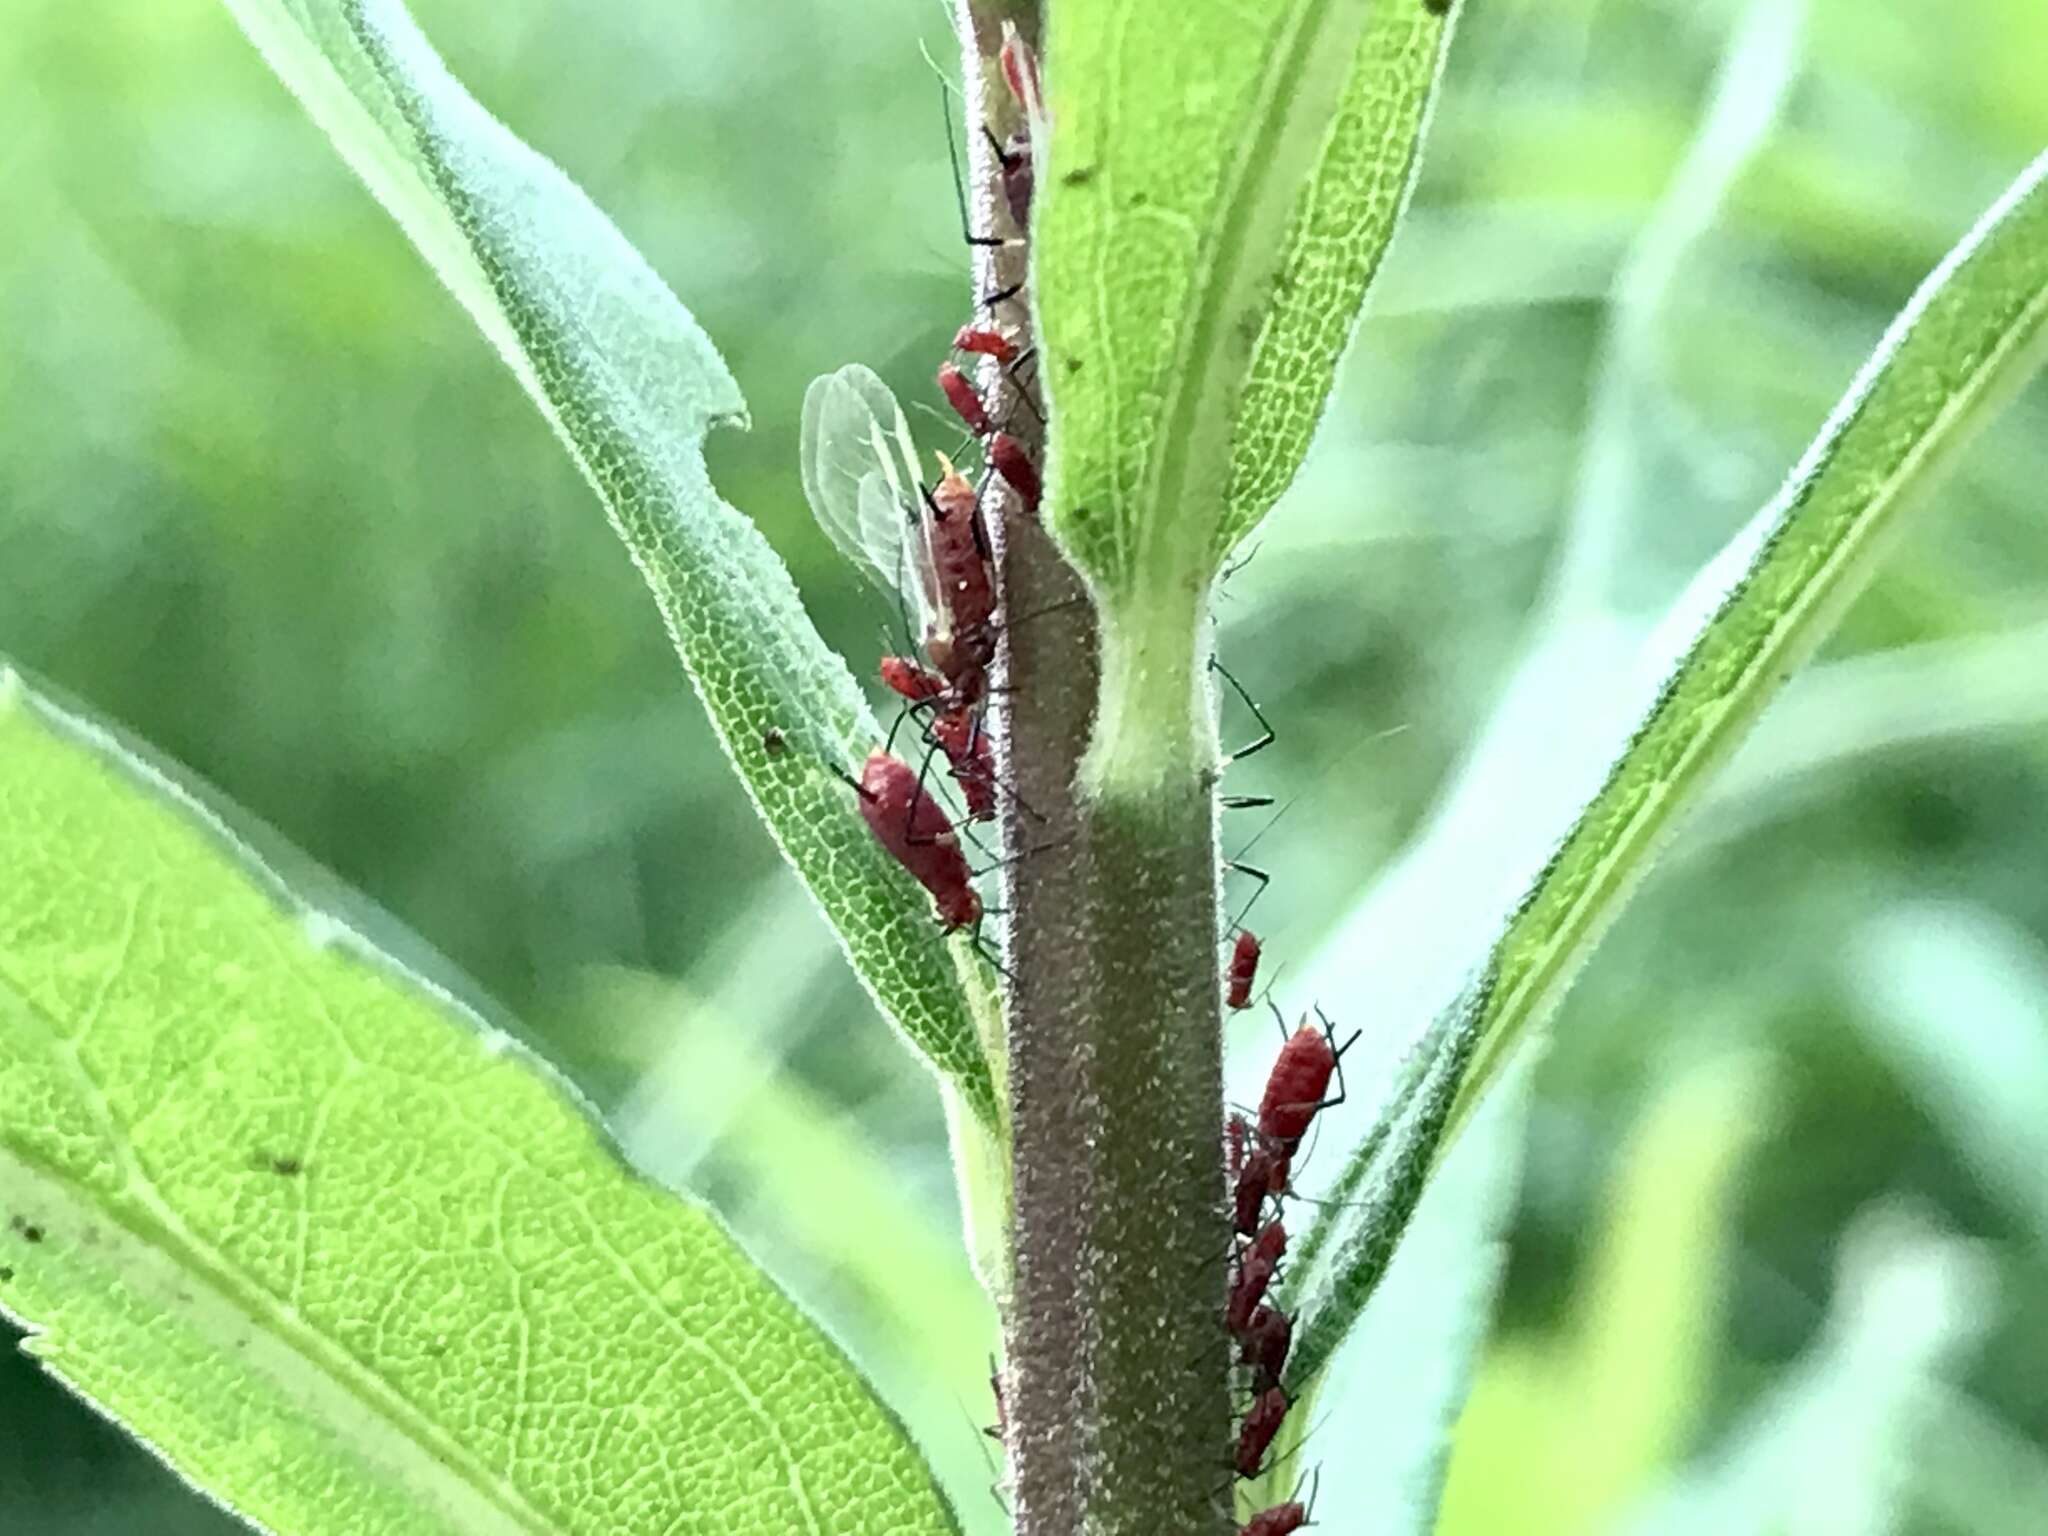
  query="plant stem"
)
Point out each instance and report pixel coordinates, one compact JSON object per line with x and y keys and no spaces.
{"x":1118,"y":1383}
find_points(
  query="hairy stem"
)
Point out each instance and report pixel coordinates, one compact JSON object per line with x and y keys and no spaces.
{"x":1119,"y":1413}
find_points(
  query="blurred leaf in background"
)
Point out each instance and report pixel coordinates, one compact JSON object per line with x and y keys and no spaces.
{"x":267,"y":499}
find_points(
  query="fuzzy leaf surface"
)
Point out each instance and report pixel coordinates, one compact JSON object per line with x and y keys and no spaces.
{"x":347,"y":1258}
{"x":631,"y":385}
{"x":1219,"y":190}
{"x":1973,"y":333}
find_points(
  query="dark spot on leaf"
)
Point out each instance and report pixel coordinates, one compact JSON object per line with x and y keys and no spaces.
{"x":1079,"y":176}
{"x":6,"y":1273}
{"x":1073,"y":364}
{"x":773,"y":742}
{"x":287,"y":1166}
{"x":1437,"y":7}
{"x":1081,"y":514}
{"x":30,"y":1232}
{"x":1138,"y":200}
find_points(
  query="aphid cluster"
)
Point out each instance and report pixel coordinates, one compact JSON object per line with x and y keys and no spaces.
{"x":1259,"y":1156}
{"x":923,"y":541}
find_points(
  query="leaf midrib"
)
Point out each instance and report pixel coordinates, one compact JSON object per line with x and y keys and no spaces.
{"x":1196,"y":396}
{"x":1586,"y":913}
{"x":282,"y":1320}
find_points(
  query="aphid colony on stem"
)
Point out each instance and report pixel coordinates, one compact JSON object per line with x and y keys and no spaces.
{"x":1258,"y":1157}
{"x":924,"y":543}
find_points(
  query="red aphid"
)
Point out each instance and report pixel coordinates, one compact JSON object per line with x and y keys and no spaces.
{"x":986,"y":341}
{"x":1255,"y":1270}
{"x":910,"y":680}
{"x":1264,"y":1173}
{"x":1261,"y":1424}
{"x":912,"y":825}
{"x":971,"y":756}
{"x":961,"y":395}
{"x":965,"y":588}
{"x":1280,"y":1520}
{"x":1264,"y":1344}
{"x":1294,"y":1092}
{"x":1015,"y":466}
{"x":1244,"y":969}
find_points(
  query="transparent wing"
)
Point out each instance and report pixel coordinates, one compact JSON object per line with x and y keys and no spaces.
{"x":860,"y":474}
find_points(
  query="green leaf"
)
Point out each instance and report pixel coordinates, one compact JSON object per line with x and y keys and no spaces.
{"x":347,"y":1258}
{"x":1365,"y":1212}
{"x":1219,"y":189}
{"x":631,"y":385}
{"x":1342,"y":223}
{"x":1399,"y":1381}
{"x":1966,"y":341}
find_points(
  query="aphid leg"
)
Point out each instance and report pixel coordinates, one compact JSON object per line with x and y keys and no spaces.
{"x":910,"y":815}
{"x":1255,"y":873}
{"x":1244,"y":802}
{"x":1279,"y":1020}
{"x":1265,"y":726}
{"x":902,"y":715}
{"x":1007,"y":784}
{"x":1021,"y":854}
{"x":960,"y":176}
{"x":1039,"y":613}
{"x":987,"y":951}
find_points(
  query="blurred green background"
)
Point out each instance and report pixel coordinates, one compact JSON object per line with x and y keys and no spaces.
{"x":267,"y":500}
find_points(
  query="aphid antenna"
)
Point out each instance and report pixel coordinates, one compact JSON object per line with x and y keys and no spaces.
{"x":1279,"y":1020}
{"x":1230,"y":571}
{"x":1245,"y":802}
{"x":1272,"y":981}
{"x":1300,"y":1440}
{"x":1330,"y":1034}
{"x":1271,"y":822}
{"x":951,"y":423}
{"x":1308,"y":1510}
{"x":1265,"y":725}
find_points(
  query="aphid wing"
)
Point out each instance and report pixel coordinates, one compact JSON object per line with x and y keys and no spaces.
{"x":883,"y":523}
{"x":902,"y":520}
{"x":842,"y":449}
